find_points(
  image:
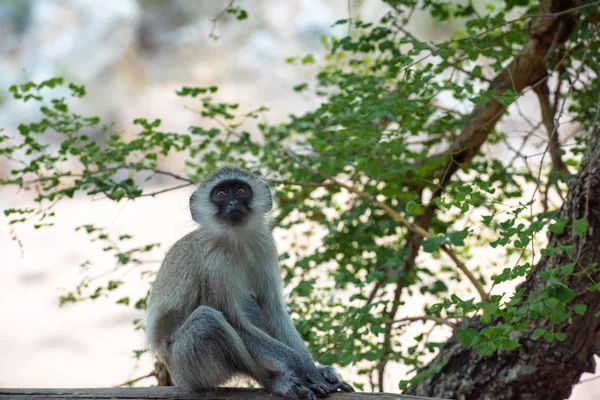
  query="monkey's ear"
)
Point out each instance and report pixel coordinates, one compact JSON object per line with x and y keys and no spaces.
{"x":268,"y":204}
{"x":195,"y":207}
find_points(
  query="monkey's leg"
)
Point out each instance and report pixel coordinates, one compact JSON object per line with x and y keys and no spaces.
{"x":206,"y":352}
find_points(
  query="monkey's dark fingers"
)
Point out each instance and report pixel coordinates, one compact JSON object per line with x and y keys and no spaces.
{"x":345,"y":387}
{"x":319,"y":390}
{"x":329,"y":373}
{"x":302,"y":393}
{"x":290,"y":386}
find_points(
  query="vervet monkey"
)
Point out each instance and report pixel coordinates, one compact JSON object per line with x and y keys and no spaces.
{"x":216,"y":309}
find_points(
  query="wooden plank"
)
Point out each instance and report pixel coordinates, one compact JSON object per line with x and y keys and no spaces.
{"x":169,"y":392}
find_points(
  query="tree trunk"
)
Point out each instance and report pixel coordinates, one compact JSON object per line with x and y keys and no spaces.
{"x":538,"y":369}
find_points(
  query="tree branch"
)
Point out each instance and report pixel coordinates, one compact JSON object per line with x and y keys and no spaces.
{"x":543,"y":93}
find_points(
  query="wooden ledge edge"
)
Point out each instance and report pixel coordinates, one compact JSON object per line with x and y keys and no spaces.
{"x":172,"y":393}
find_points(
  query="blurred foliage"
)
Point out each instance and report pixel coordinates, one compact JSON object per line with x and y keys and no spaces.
{"x":382,"y":129}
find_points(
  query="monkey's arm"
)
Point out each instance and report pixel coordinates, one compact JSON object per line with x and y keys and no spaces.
{"x":281,"y":327}
{"x":278,"y":321}
{"x":275,"y":355}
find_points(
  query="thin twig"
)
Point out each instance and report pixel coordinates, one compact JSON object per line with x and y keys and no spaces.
{"x":349,"y":17}
{"x":374,"y":291}
{"x":588,"y":380}
{"x":543,"y":93}
{"x":437,"y":320}
{"x":152,"y":194}
{"x":307,"y":184}
{"x":450,"y":63}
{"x":217,"y":18}
{"x":151,"y":374}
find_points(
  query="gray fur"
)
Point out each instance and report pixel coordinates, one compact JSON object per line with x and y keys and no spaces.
{"x":216,"y":309}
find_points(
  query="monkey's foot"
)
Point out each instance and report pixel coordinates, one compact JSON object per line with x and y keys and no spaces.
{"x":329,"y":373}
{"x":328,"y":382}
{"x":323,"y":389}
{"x":289,"y":386}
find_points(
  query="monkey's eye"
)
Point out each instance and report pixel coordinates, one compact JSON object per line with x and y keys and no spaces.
{"x":221,"y":194}
{"x":242,"y":191}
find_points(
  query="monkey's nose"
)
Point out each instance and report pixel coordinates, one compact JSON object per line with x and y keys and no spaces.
{"x":233,"y":207}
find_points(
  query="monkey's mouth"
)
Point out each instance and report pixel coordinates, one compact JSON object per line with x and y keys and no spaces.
{"x":236,"y":216}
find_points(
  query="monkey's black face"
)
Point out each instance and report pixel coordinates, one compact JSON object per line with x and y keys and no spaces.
{"x":232,"y":199}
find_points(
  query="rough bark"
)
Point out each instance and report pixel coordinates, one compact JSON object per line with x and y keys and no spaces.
{"x":538,"y":369}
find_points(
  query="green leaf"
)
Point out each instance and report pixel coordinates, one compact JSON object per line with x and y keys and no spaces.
{"x":558,"y":226}
{"x":580,"y":308}
{"x":486,"y":317}
{"x":308,"y":59}
{"x":123,"y":300}
{"x":430,"y":245}
{"x":457,"y":238}
{"x":546,"y":275}
{"x":567,"y":269}
{"x":580,"y":226}
{"x":300,"y":87}
{"x":141,"y":304}
{"x":112,"y":285}
{"x":242,"y":15}
{"x":370,"y":355}
{"x":538,"y":333}
{"x":485,"y":349}
{"x":564,"y":293}
{"x":509,"y":344}
{"x":466,"y":336}
{"x":414,"y":209}
{"x":552,"y":302}
{"x":594,"y":288}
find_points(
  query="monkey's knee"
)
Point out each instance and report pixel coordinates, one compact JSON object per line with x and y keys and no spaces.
{"x":206,"y":317}
{"x":205,"y":351}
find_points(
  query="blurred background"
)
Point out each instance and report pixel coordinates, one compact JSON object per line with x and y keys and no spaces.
{"x":132,"y":56}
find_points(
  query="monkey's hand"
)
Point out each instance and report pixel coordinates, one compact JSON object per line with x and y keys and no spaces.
{"x":323,"y":379}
